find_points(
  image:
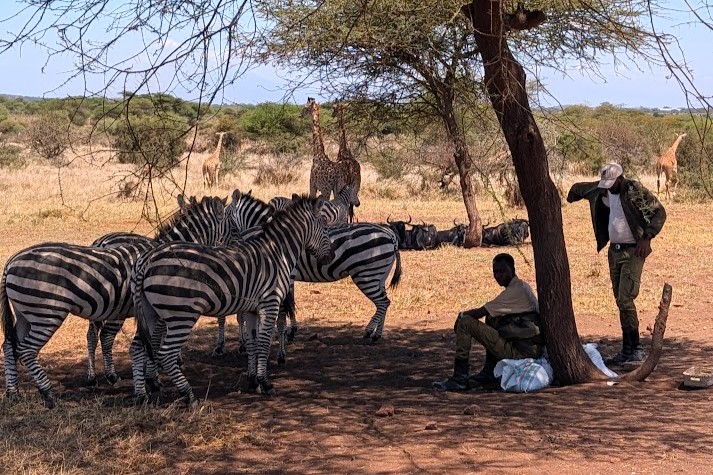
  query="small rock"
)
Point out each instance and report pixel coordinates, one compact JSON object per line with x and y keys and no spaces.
{"x":431,"y":426}
{"x":471,"y":409}
{"x":385,"y":410}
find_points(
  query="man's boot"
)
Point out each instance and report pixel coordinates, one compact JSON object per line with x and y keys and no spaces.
{"x":485,"y":375}
{"x":637,"y":351}
{"x":459,"y":380}
{"x":625,"y":352}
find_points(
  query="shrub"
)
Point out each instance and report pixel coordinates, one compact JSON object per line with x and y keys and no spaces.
{"x":389,"y":163}
{"x":49,"y":136}
{"x":10,"y":157}
{"x":232,"y":163}
{"x":281,"y":169}
{"x":155,"y":142}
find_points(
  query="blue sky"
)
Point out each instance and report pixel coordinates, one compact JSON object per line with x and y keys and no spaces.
{"x":25,"y":72}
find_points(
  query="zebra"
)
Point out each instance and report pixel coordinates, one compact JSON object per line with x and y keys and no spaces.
{"x":335,"y":211}
{"x":177,"y":282}
{"x":243,"y":214}
{"x":363,"y":251}
{"x":42,"y":284}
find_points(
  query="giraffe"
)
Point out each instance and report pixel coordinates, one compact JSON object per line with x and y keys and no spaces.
{"x":211,"y":164}
{"x":668,"y":165}
{"x":348,"y":169}
{"x":322,"y":177}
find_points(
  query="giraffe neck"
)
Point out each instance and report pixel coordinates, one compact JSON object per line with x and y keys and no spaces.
{"x":342,"y":133}
{"x":672,"y":150}
{"x":317,"y":144}
{"x":217,"y":149}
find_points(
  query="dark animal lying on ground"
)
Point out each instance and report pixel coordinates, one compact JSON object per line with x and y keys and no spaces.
{"x":506,"y":234}
{"x":419,"y":237}
{"x":454,"y":236}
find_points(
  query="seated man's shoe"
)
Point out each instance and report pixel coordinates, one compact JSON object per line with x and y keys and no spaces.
{"x":483,"y":377}
{"x":451,"y":384}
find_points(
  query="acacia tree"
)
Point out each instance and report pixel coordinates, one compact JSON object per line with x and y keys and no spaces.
{"x":414,"y":55}
{"x":506,"y":38}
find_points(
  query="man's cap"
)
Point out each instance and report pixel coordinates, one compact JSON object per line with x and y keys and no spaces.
{"x":608,"y":175}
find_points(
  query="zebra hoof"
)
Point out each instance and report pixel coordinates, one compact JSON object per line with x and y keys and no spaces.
{"x":218,"y":351}
{"x":113,"y":378}
{"x":280,"y":359}
{"x":154,"y":385}
{"x":135,"y":400}
{"x":375,"y":339}
{"x":48,"y":400}
{"x":267,"y":389}
{"x":242,"y":349}
{"x":367,"y":334}
{"x":92,"y":382}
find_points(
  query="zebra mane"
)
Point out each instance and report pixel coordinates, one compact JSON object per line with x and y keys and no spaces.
{"x":185,"y":211}
{"x":296,"y":201}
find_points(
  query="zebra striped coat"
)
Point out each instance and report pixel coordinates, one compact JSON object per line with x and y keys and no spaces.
{"x":42,"y":284}
{"x":243,"y":212}
{"x":177,"y":282}
{"x":365,"y":252}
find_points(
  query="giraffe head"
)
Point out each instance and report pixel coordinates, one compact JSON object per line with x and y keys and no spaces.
{"x":339,"y":108}
{"x":310,"y":107}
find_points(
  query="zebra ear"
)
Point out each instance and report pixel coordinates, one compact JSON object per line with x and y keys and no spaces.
{"x":318,"y":204}
{"x":295,"y":197}
{"x":181,"y":201}
{"x":236,"y":195}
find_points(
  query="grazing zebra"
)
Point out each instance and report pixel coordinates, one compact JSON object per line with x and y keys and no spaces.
{"x":177,"y":282}
{"x":42,"y":284}
{"x":363,"y":251}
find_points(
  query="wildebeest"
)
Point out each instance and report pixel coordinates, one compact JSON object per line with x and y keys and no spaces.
{"x":419,"y":237}
{"x":506,"y":234}
{"x":454,"y":236}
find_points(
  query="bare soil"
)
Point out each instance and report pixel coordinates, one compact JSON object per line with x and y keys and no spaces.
{"x":324,"y":418}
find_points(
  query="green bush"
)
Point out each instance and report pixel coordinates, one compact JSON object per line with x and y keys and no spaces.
{"x":232,"y":163}
{"x":49,"y":136}
{"x":10,"y":157}
{"x":389,"y":163}
{"x":156,"y":142}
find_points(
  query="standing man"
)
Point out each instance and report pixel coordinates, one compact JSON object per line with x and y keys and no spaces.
{"x":512,"y":329}
{"x":628,"y":215}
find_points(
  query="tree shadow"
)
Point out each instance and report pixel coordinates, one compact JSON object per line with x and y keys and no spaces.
{"x":334,"y":382}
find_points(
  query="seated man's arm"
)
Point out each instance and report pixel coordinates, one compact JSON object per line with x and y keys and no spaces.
{"x":479,"y":312}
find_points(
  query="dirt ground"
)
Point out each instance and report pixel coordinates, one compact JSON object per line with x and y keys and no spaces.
{"x":324,"y":418}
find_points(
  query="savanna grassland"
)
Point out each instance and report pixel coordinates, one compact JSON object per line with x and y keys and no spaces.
{"x":324,"y":419}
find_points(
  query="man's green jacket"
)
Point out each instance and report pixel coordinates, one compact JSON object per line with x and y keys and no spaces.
{"x":643,"y":211}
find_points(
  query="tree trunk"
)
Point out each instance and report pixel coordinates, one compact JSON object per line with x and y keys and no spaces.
{"x":505,"y":83}
{"x":474,"y":236}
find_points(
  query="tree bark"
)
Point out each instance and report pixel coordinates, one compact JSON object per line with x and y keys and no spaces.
{"x":505,"y":83}
{"x":643,"y":371}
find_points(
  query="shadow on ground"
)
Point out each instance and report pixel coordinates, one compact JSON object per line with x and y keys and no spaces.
{"x":324,"y":416}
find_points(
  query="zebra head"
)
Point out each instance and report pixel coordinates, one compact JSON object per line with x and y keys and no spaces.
{"x":317,"y":240}
{"x":204,"y":222}
{"x":245,"y":211}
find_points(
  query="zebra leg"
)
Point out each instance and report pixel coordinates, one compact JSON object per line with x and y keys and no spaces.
{"x":138,"y":364}
{"x":29,"y":346}
{"x":290,"y":309}
{"x":178,"y":329}
{"x":92,"y":340}
{"x":11,"y":377}
{"x":242,"y":334}
{"x":267,"y":316}
{"x":377,"y":294}
{"x":108,"y":335}
{"x":251,"y":323}
{"x":220,"y":344}
{"x":281,"y":337}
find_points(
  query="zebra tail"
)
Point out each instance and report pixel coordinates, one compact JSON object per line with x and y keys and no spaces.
{"x":397,"y":273}
{"x":140,"y":308}
{"x":289,"y":304}
{"x":8,"y":322}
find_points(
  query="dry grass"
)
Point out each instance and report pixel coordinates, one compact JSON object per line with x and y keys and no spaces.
{"x":89,"y":433}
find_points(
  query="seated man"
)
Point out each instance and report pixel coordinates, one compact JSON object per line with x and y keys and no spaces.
{"x":512,"y":328}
